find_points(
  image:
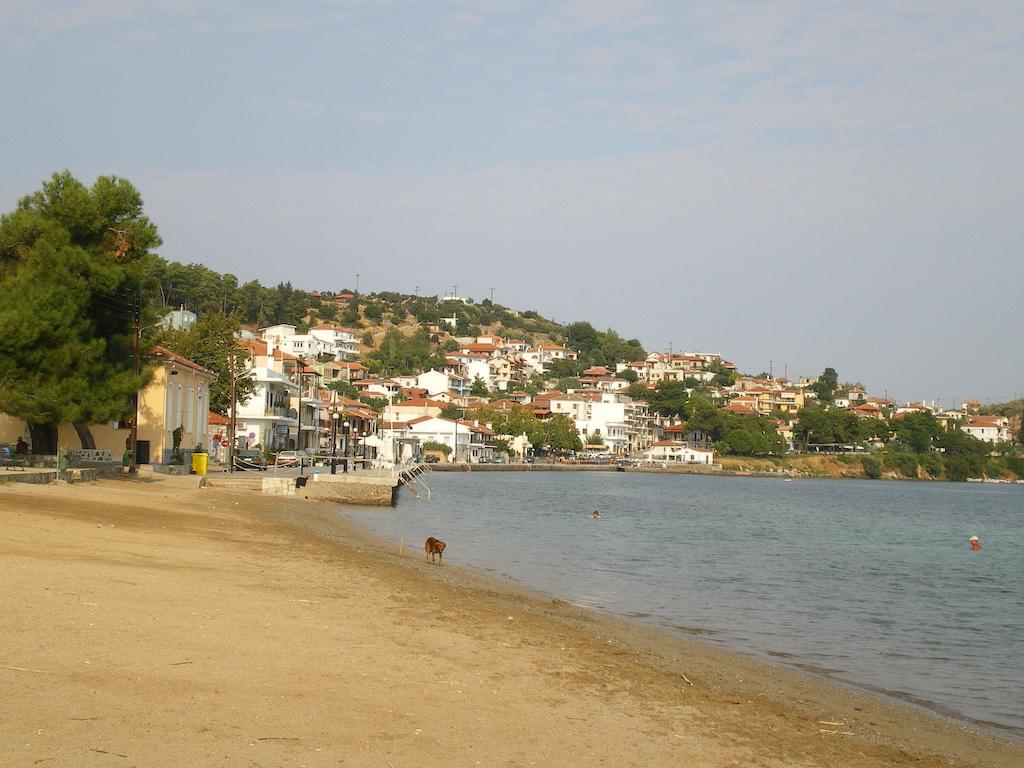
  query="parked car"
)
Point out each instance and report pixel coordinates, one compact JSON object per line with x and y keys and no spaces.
{"x":250,"y":459}
{"x":292,"y":459}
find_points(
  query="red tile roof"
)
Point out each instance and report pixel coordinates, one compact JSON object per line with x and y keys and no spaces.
{"x":215,"y":418}
{"x":170,"y":357}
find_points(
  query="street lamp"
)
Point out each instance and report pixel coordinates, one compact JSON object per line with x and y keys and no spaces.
{"x":334,"y":442}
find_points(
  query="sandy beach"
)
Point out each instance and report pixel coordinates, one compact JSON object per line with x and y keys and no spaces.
{"x":151,"y":623}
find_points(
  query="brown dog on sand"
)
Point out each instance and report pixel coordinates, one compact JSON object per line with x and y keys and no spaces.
{"x":434,"y":547}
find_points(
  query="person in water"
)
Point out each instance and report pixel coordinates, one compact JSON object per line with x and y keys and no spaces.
{"x":975,"y":543}
{"x":596,"y":515}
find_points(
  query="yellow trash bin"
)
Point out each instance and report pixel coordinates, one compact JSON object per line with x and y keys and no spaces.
{"x":199,"y":463}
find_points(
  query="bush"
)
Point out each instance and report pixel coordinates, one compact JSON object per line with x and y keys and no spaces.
{"x":932,"y":464}
{"x":872,"y":466}
{"x":1016,"y":465}
{"x":432,"y":445}
{"x":957,"y":468}
{"x":907,"y":465}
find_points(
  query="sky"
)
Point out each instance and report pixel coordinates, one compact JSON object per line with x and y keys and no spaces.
{"x":792,"y":184}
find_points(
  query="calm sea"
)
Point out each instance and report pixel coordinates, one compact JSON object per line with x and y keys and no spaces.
{"x":870,"y":582}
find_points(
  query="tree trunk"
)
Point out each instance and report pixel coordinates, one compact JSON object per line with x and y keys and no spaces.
{"x":85,"y":435}
{"x":44,"y":439}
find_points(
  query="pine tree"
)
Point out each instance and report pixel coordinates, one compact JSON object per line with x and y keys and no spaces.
{"x":72,"y":267}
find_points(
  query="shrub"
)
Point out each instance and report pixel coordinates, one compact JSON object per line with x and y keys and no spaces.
{"x":432,"y":445}
{"x":872,"y":466}
{"x":932,"y":464}
{"x":907,"y":465}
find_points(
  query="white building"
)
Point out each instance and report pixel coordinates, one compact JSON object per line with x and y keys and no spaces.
{"x":438,"y":382}
{"x":622,"y":423}
{"x":991,"y":429}
{"x":179,"y":319}
{"x":326,"y":340}
{"x":669,"y":452}
{"x":267,"y":418}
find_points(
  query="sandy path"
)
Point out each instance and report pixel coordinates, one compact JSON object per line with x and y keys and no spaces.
{"x":153,"y":624}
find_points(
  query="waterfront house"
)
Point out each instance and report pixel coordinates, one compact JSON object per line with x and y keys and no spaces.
{"x":670,"y":452}
{"x":990,"y":429}
{"x":177,"y":395}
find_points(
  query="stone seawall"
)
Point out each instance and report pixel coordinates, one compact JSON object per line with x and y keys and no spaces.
{"x":36,"y":476}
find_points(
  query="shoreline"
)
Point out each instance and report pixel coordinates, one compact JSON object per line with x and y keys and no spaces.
{"x":700,"y":637}
{"x":677,"y":693}
{"x":781,"y":474}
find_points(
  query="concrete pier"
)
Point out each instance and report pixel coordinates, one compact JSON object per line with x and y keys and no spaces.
{"x":362,"y":488}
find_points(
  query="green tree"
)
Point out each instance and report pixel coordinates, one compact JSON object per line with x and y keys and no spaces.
{"x":478,"y":388}
{"x":825,"y":387}
{"x":669,"y":398}
{"x":560,"y":434}
{"x":210,"y":341}
{"x":433,"y":445}
{"x":343,"y":388}
{"x":73,"y":263}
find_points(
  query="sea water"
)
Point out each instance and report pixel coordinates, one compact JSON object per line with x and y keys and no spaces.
{"x":870,"y":582}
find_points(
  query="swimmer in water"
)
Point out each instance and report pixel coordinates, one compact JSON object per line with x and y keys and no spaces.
{"x":596,"y":515}
{"x":975,"y":543}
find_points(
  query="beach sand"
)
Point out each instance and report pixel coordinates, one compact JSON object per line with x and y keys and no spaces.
{"x":150,"y":623}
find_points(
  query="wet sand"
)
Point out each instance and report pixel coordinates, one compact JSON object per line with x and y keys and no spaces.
{"x":150,"y":623}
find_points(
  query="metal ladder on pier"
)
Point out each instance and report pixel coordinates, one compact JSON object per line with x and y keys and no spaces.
{"x":413,"y":477}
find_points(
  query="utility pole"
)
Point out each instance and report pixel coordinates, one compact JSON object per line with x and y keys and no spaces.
{"x":133,"y":434}
{"x":357,"y":283}
{"x":234,"y":416}
{"x":417,"y":291}
{"x":298,"y":433}
{"x":492,"y":295}
{"x":455,"y":292}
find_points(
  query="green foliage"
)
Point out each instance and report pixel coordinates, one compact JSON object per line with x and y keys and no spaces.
{"x":594,"y":440}
{"x":601,"y":347}
{"x":820,"y":427}
{"x":451,"y":345}
{"x":205,"y":291}
{"x":564,"y":385}
{"x":516,"y":421}
{"x":367,"y":339}
{"x":825,"y":387}
{"x":478,"y":388}
{"x":901,"y":461}
{"x":872,"y":466}
{"x":73,"y":263}
{"x":433,"y":445}
{"x":400,"y":354}
{"x":565,"y":369}
{"x":917,"y":431}
{"x":501,"y":445}
{"x":210,"y":341}
{"x":669,"y":398}
{"x":628,"y":374}
{"x":932,"y":464}
{"x":560,"y":434}
{"x":376,"y":403}
{"x":453,"y":412}
{"x":343,"y":388}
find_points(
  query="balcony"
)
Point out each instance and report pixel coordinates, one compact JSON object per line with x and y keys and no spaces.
{"x":281,"y":412}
